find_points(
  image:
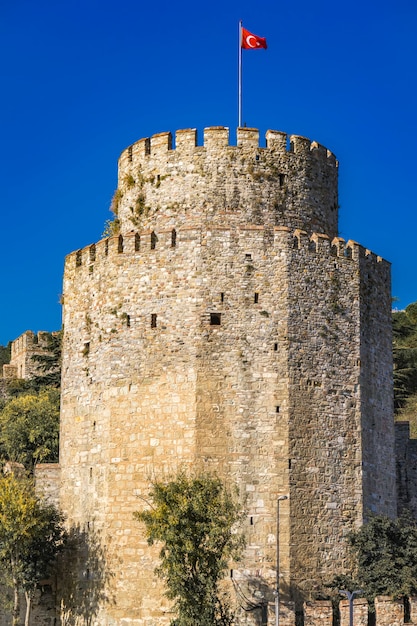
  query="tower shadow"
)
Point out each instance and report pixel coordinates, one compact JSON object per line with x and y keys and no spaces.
{"x":84,"y":578}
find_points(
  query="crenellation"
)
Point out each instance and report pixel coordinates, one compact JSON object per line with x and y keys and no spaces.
{"x":248,"y":137}
{"x":318,"y":150}
{"x":216,"y":137}
{"x":277,"y":141}
{"x":161,"y":143}
{"x":300,"y":145}
{"x":186,"y":139}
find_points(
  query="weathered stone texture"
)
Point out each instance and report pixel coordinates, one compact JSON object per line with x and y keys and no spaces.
{"x":292,"y":185}
{"x":216,"y":332}
{"x":23,"y":349}
{"x":360,"y":613}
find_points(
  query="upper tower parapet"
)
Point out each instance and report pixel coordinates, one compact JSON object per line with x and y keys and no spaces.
{"x":291,"y":182}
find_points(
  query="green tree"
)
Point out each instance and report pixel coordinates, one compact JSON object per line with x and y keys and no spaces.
{"x":31,"y":535}
{"x":49,"y":362}
{"x":196,"y":519}
{"x":4,"y":355}
{"x":29,"y":428}
{"x":405,"y":354}
{"x":384,"y":552}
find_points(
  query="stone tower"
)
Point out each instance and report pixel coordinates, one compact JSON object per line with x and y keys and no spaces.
{"x":226,"y":327}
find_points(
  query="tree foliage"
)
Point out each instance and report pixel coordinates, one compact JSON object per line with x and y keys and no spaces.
{"x":29,"y":428}
{"x":405,"y":354}
{"x":195,"y":518}
{"x":31,"y":535}
{"x":384,"y":552}
{"x":4,"y":355}
{"x":49,"y":362}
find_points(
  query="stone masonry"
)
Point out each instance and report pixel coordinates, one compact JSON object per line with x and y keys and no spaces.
{"x":23,"y":349}
{"x":227,"y":328}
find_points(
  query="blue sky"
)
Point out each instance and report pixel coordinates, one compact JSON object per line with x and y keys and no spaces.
{"x":82,"y":79}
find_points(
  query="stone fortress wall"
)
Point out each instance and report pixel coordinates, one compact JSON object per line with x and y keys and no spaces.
{"x":228,"y":328}
{"x":23,"y":349}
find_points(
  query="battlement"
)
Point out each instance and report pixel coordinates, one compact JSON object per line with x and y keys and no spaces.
{"x":149,"y":243}
{"x":217,"y":138}
{"x":23,"y":349}
{"x":291,"y":181}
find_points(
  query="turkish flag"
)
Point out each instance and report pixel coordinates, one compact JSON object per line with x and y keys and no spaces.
{"x":251,"y":41}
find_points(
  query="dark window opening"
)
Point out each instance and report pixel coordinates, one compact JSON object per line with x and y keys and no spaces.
{"x":257,"y":157}
{"x":93,"y":252}
{"x":248,"y":257}
{"x":86,"y":349}
{"x":256,"y":298}
{"x":120,"y":244}
{"x":281,"y":180}
{"x":215,"y":319}
{"x":147,"y":146}
{"x":78,"y":258}
{"x":289,"y":463}
{"x":137,"y":242}
{"x":277,"y":409}
{"x":222,"y":297}
{"x":251,"y":520}
{"x":153,"y":320}
{"x":275,"y":347}
{"x":154,"y":239}
{"x":173,"y":238}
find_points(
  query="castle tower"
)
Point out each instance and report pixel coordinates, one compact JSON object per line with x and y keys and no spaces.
{"x":225,"y":327}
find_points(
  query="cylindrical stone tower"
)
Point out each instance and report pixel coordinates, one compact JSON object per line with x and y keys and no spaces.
{"x":226,"y":327}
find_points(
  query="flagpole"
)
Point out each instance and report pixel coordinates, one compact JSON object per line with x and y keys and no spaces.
{"x":240,"y":74}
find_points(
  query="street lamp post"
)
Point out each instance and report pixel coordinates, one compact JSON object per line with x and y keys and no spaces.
{"x":350,"y":595}
{"x":279,"y":500}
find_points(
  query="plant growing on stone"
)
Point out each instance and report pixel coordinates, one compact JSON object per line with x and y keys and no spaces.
{"x":195,"y":518}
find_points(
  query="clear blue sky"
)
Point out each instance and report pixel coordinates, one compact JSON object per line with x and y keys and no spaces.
{"x":82,"y":79}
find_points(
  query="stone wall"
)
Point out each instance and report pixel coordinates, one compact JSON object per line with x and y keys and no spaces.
{"x":216,"y":332}
{"x":23,"y":349}
{"x":290,"y":182}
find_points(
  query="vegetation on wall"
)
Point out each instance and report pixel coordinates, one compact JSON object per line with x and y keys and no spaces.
{"x":195,"y":519}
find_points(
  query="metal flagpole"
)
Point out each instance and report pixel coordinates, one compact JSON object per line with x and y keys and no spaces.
{"x":240,"y":74}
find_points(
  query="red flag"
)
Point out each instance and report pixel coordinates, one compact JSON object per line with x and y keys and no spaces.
{"x":251,"y":41}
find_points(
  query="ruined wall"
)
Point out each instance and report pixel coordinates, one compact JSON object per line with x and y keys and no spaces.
{"x":223,"y":336}
{"x":23,"y":349}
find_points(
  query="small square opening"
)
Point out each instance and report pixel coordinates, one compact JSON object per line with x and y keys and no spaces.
{"x":215,"y":319}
